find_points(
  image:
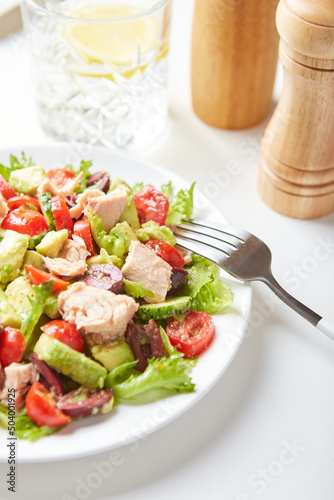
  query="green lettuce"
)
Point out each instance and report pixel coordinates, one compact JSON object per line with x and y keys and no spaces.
{"x":165,"y":373}
{"x":25,"y":428}
{"x":15,"y":164}
{"x":136,"y":289}
{"x":151,"y":229}
{"x":105,"y":258}
{"x":124,"y":230}
{"x":84,"y":167}
{"x":208,"y":293}
{"x":181,"y":206}
{"x":121,"y":373}
{"x":31,"y":320}
{"x":112,"y":242}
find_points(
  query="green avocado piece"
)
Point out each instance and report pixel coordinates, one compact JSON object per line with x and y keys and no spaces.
{"x":113,"y":354}
{"x":12,"y":251}
{"x":69,"y":362}
{"x":34,"y":259}
{"x":52,"y":243}
{"x":124,"y":230}
{"x":27,"y":180}
{"x":129,"y":213}
{"x":18,"y":293}
{"x":8,"y":316}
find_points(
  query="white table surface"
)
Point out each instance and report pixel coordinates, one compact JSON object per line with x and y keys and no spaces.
{"x":266,"y":430}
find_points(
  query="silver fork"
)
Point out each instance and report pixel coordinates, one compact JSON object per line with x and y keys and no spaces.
{"x":245,"y":257}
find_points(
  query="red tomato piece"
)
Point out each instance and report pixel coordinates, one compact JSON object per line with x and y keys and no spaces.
{"x":18,"y":201}
{"x":82,"y":229}
{"x":42,"y":408}
{"x":167,"y":252}
{"x":12,"y":346}
{"x":27,"y":222}
{"x":59,"y":176}
{"x":37,"y":276}
{"x":5,"y":189}
{"x":61,"y":214}
{"x":64,"y":332}
{"x":193,"y":334}
{"x":151,"y":205}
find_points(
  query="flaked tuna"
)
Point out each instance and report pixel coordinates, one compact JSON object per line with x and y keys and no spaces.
{"x":143,"y":265}
{"x":18,"y":376}
{"x":47,"y":186}
{"x":83,"y":201}
{"x":71,"y":260}
{"x":101,"y":313}
{"x":108,"y":207}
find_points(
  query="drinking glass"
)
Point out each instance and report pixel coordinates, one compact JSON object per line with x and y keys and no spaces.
{"x":100,"y":69}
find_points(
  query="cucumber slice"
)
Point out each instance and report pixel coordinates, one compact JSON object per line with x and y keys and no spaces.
{"x":166,"y":309}
{"x":45,"y":203}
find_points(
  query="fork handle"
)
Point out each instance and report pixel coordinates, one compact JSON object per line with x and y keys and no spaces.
{"x":315,"y":319}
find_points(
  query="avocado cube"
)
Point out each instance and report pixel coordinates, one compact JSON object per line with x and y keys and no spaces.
{"x":18,"y":293}
{"x":113,"y":354}
{"x":12,"y":251}
{"x":69,"y":362}
{"x":27,"y":180}
{"x":32,"y":258}
{"x":8,"y":316}
{"x":52,"y":243}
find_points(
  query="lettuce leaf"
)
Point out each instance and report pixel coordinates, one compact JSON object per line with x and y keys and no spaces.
{"x":151,"y":229}
{"x":208,"y":293}
{"x":30,"y":320}
{"x":136,"y":289}
{"x":181,"y":207}
{"x":104,"y":258}
{"x":165,"y":373}
{"x":15,"y":164}
{"x":112,"y":243}
{"x":84,"y":167}
{"x":25,"y":428}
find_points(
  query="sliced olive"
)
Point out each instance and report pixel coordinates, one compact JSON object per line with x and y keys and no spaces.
{"x":179,"y":279}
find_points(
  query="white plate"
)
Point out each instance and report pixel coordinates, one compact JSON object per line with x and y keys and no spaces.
{"x":128,"y":423}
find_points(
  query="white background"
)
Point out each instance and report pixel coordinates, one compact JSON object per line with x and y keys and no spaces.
{"x":278,"y":393}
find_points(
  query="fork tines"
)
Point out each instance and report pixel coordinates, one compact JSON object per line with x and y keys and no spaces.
{"x":214,"y":241}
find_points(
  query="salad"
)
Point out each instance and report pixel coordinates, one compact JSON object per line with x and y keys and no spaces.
{"x":97,"y":303}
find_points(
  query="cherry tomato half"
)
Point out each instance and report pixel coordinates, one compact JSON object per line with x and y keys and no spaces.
{"x":151,"y":205}
{"x":82,"y":229}
{"x":193,"y":334}
{"x":12,"y":346}
{"x":42,"y":408}
{"x":64,"y":332}
{"x":27,"y":222}
{"x":61,"y":214}
{"x":37,"y":276}
{"x":18,"y":201}
{"x":5,"y":189}
{"x":167,"y":252}
{"x":59,"y":176}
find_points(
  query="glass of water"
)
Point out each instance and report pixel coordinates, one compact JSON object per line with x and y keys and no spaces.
{"x":100,"y":68}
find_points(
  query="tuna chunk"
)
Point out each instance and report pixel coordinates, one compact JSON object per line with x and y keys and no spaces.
{"x":109,"y":207}
{"x":3,"y":207}
{"x":19,"y":377}
{"x":82,"y":202}
{"x":142,"y":265}
{"x":101,"y":313}
{"x":47,"y":186}
{"x":71,"y":260}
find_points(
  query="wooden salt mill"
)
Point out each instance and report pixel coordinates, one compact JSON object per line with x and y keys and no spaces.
{"x":296,"y":175}
{"x":233,"y":62}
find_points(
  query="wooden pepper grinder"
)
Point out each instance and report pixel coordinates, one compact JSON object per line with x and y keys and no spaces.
{"x":234,"y":60}
{"x":296,"y":175}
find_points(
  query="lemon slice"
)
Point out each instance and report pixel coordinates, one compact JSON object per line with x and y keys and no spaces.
{"x":121,"y":44}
